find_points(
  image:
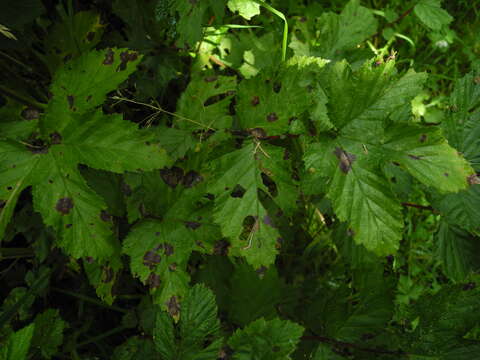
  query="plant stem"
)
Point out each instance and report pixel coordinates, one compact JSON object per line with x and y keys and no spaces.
{"x":423,"y":207}
{"x":102,"y":336}
{"x":21,"y":98}
{"x":90,"y":300}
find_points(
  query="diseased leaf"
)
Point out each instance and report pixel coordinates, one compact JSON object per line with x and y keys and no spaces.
{"x":198,"y":322}
{"x":48,"y":334}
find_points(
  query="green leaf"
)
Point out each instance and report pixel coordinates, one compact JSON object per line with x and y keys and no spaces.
{"x":458,"y":250}
{"x":254,"y":295}
{"x":238,"y":206}
{"x":135,"y":348}
{"x":205,"y":103}
{"x":272,"y":103}
{"x":324,"y":352}
{"x":365,"y":201}
{"x":246,"y":8}
{"x":198,"y":322}
{"x":18,"y":344}
{"x":431,"y":14}
{"x":159,"y":253}
{"x":345,"y":31}
{"x":266,"y":340}
{"x":48,"y":335}
{"x":83,"y":83}
{"x":427,"y":156}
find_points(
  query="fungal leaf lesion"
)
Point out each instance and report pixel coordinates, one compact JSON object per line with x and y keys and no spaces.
{"x":345,"y":159}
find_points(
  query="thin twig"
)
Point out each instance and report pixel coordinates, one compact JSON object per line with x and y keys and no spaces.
{"x":397,"y":20}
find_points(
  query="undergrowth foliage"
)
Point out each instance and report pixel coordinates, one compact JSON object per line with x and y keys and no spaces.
{"x":177,"y":183}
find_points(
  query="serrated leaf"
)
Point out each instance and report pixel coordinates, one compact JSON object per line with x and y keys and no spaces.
{"x":458,"y":250}
{"x":431,"y":14}
{"x":198,"y":322}
{"x":363,"y":199}
{"x":83,"y":83}
{"x":246,"y":8}
{"x":18,"y":344}
{"x":205,"y":103}
{"x":237,"y":185}
{"x":266,"y":340}
{"x":427,"y":156}
{"x":135,"y":348}
{"x":342,"y":32}
{"x":159,"y":253}
{"x":48,"y":334}
{"x":271,"y":103}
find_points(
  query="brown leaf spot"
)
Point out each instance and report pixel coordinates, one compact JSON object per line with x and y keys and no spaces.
{"x":446,"y":174}
{"x":68,"y":226}
{"x":414,"y":157}
{"x":2,"y":204}
{"x":172,"y":177}
{"x":473,"y":179}
{"x":172,"y":267}
{"x":346,"y":159}
{"x":255,"y":100}
{"x":30,"y":113}
{"x":105,"y":216}
{"x":192,"y":225}
{"x":268,"y":221}
{"x":173,"y":306}
{"x":9,"y":188}
{"x":272,"y":117}
{"x":89,"y":259}
{"x":90,"y":36}
{"x":191,"y":179}
{"x":55,"y":138}
{"x":258,"y":133}
{"x":350,"y":232}
{"x":238,"y":191}
{"x":210,"y":79}
{"x":423,"y":138}
{"x":64,"y":205}
{"x":71,"y":101}
{"x":469,"y":286}
{"x":221,"y":247}
{"x":168,"y":249}
{"x":151,"y":259}
{"x":107,"y":274}
{"x":108,"y":57}
{"x":153,"y":281}
{"x":126,"y":189}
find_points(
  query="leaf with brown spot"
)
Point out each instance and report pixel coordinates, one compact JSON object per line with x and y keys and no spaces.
{"x":346,"y":159}
{"x":64,"y":205}
{"x":173,"y":306}
{"x":71,"y":101}
{"x":109,"y":57}
{"x":272,"y":117}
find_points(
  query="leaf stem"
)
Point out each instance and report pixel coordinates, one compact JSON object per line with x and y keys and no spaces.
{"x":90,"y":300}
{"x":23,"y":99}
{"x":101,"y":336}
{"x":417,"y":206}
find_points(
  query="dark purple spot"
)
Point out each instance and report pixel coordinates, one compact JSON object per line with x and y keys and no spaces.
{"x":255,"y":100}
{"x":105,"y":216}
{"x":172,"y":267}
{"x":469,"y":286}
{"x":173,"y":306}
{"x":192,"y":225}
{"x":191,"y":179}
{"x":68,"y":226}
{"x":30,"y":114}
{"x":107,"y":274}
{"x":55,"y":138}
{"x":157,"y":234}
{"x":303,"y":19}
{"x":210,"y":79}
{"x":153,"y":281}
{"x":108,"y":57}
{"x":423,"y":138}
{"x":50,"y":181}
{"x":238,"y":191}
{"x":89,"y":259}
{"x":268,"y":221}
{"x":64,"y":205}
{"x":390,"y":259}
{"x":446,"y":174}
{"x":168,"y":249}
{"x":346,"y":159}
{"x":414,"y":157}
{"x":9,"y":188}
{"x":71,"y":101}
{"x":151,"y":259}
{"x":221,"y":247}
{"x":172,"y":177}
{"x":272,"y":117}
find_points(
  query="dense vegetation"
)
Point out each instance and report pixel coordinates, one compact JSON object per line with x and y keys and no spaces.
{"x":239,"y":179}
